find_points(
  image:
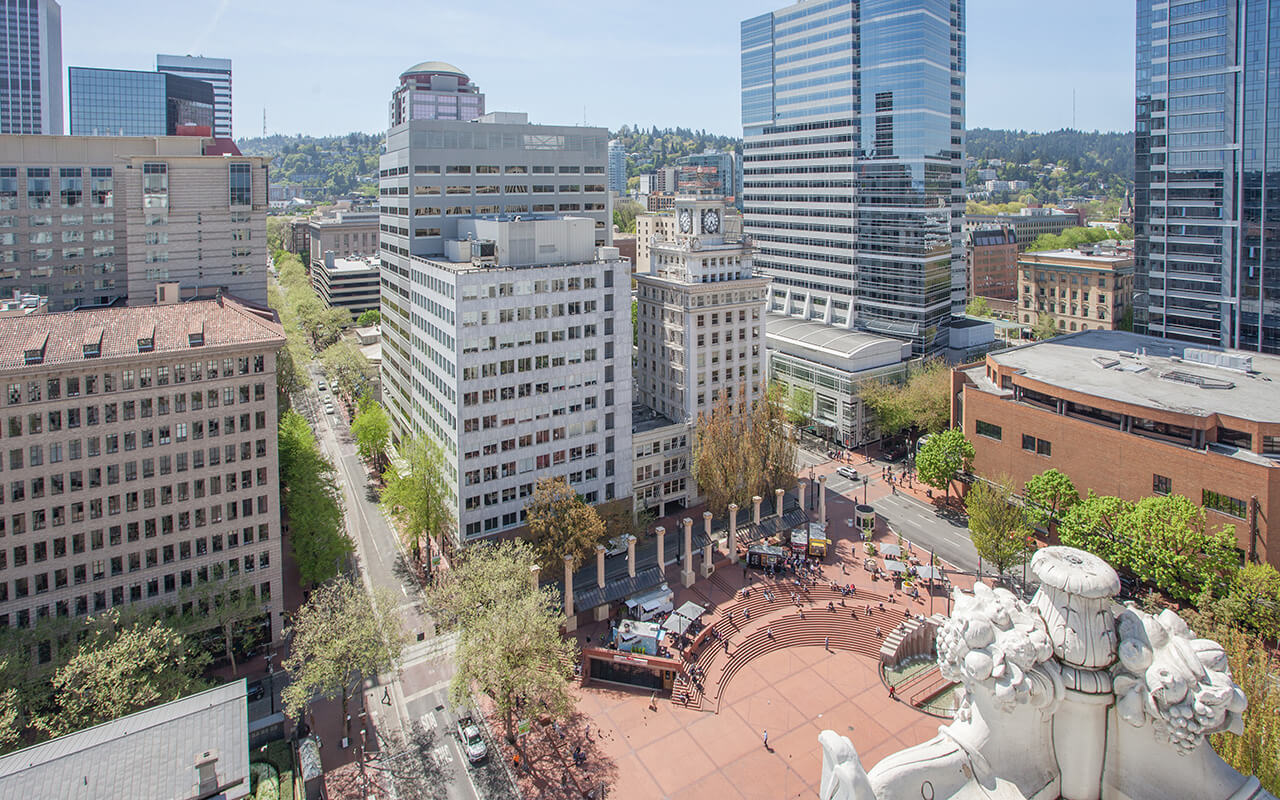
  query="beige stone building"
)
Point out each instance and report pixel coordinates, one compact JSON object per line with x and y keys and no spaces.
{"x":662,"y":227}
{"x":138,"y":458}
{"x":348,"y":234}
{"x":89,"y":220}
{"x":1084,"y":290}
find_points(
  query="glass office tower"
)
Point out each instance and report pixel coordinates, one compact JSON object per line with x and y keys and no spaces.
{"x":121,"y":102}
{"x":1206,"y":210}
{"x":214,"y":71}
{"x":31,"y":67}
{"x":853,"y":184}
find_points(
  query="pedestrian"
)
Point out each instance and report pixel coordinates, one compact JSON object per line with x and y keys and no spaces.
{"x":769,"y":632}
{"x":893,"y":691}
{"x":588,"y":730}
{"x":826,"y":642}
{"x":515,"y":761}
{"x":879,"y":633}
{"x":765,"y":736}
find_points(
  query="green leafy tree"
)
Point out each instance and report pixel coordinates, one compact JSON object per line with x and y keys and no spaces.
{"x":1170,"y":544}
{"x":510,"y":647}
{"x":417,"y":495}
{"x":227,"y":605}
{"x":997,"y":525}
{"x":1252,"y":602}
{"x":922,"y":402}
{"x":341,"y":636}
{"x":1092,"y":524}
{"x":372,"y":431}
{"x":1046,"y":327}
{"x":799,"y":406}
{"x":10,"y":723}
{"x":369,"y":317}
{"x":943,"y":457}
{"x":347,"y":367}
{"x":312,"y":502}
{"x":979,"y":307}
{"x":119,"y":671}
{"x":562,"y":524}
{"x":625,"y":213}
{"x":742,"y":450}
{"x":1049,"y":495}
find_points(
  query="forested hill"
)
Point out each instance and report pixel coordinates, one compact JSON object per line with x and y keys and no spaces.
{"x":653,"y":147}
{"x":338,"y":164}
{"x":1088,"y":162}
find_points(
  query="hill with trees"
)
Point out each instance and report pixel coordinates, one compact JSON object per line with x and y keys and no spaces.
{"x":335,"y":164}
{"x":1057,"y":165}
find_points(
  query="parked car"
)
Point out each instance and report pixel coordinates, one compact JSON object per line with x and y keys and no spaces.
{"x":322,"y":386}
{"x":615,"y":546}
{"x":472,"y":740}
{"x":847,"y":472}
{"x":256,"y":692}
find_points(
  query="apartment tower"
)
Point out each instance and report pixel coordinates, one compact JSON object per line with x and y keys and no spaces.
{"x":1207,"y":270}
{"x":31,"y":79}
{"x":853,"y":160}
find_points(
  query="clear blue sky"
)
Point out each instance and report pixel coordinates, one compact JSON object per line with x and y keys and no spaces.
{"x":325,"y":67}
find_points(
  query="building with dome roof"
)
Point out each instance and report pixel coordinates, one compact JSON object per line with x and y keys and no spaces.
{"x":435,"y":90}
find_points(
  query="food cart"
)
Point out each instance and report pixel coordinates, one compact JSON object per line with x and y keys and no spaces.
{"x":762,"y":556}
{"x":819,"y":544}
{"x":632,"y":636}
{"x":800,"y":542}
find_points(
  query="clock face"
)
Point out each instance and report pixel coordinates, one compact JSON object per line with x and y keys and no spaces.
{"x":686,"y":221}
{"x":710,"y":221}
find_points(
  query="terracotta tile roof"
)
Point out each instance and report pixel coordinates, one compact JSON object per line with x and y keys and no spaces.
{"x":65,"y":336}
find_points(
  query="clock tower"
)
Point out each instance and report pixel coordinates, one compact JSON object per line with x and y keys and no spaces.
{"x":701,"y":217}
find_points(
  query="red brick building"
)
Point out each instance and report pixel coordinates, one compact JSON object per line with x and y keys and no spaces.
{"x":1130,"y":415}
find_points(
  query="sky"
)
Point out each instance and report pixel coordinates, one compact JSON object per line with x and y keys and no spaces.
{"x":326,"y":67}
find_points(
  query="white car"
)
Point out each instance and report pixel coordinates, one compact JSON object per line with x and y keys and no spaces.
{"x":472,"y":740}
{"x":615,"y":546}
{"x":847,"y":472}
{"x":322,"y":387}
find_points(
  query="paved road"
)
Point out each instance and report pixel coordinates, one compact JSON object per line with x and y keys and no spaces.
{"x":418,"y":691}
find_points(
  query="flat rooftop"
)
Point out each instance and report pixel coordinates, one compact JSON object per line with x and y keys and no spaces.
{"x":1150,"y":372}
{"x":369,"y":264}
{"x":645,"y":419}
{"x":1103,"y":258}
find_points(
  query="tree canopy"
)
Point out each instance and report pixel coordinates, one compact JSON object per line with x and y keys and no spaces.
{"x":1046,"y":327}
{"x":562,"y":524}
{"x":741,"y":450}
{"x":1169,"y":543}
{"x":348,"y":368}
{"x":372,"y":430}
{"x":998,"y":525}
{"x":369,"y":317}
{"x":312,"y":502}
{"x":1049,"y":495}
{"x":943,"y":457}
{"x":921,"y":403}
{"x":1072,"y":238}
{"x":417,"y":494}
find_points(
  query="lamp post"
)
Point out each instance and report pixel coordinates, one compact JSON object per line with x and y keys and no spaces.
{"x":865,"y":479}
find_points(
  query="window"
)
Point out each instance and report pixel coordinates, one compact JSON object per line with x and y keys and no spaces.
{"x":1161,"y":484}
{"x":1028,"y":442}
{"x":241,"y":185}
{"x":1038,"y":446}
{"x":1221,"y":502}
{"x":988,"y":430}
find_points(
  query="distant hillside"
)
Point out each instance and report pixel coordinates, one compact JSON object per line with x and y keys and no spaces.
{"x":1058,"y":164}
{"x":653,"y":147}
{"x":338,"y":164}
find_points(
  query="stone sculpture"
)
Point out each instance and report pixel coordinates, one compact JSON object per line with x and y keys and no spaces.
{"x":1069,"y":697}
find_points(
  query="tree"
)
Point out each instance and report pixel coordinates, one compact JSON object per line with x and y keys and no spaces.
{"x":1046,"y":327}
{"x":225,"y":605}
{"x":341,"y":636}
{"x":372,"y":431}
{"x":10,"y":727}
{"x":1091,"y":525}
{"x":347,"y":367}
{"x":625,"y":213}
{"x":997,"y":525}
{"x":417,"y":495}
{"x":369,"y":317}
{"x":943,"y":457}
{"x":119,"y":671}
{"x":562,"y":524}
{"x":1049,"y":495}
{"x":312,"y":502}
{"x":922,"y":402}
{"x":509,"y":641}
{"x":743,"y":450}
{"x":1253,"y":601}
{"x":979,"y":307}
{"x":1169,"y":543}
{"x":799,"y":406}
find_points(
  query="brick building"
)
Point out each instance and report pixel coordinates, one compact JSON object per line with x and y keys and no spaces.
{"x":139,"y":458}
{"x":993,"y":263}
{"x":1131,"y":416}
{"x":1087,"y":289}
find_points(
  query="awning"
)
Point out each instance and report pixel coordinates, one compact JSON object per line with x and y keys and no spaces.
{"x":929,"y":572}
{"x":680,"y":619}
{"x":894,"y":566}
{"x":889,"y":550}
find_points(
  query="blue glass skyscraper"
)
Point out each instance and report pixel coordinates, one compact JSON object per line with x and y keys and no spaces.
{"x":1207,"y":189}
{"x":853,"y":185}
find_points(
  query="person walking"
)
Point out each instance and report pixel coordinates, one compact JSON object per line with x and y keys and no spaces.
{"x":765,"y":737}
{"x":826,"y":642}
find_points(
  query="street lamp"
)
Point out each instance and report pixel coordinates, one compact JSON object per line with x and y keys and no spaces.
{"x":865,"y":479}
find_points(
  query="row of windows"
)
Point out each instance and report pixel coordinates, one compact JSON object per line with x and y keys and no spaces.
{"x":52,"y":388}
{"x":52,"y":421}
{"x":115,"y":536}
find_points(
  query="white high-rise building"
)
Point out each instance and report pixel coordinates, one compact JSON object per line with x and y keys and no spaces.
{"x":512,"y":350}
{"x":617,"y":167}
{"x":31,"y":78}
{"x":214,"y":71}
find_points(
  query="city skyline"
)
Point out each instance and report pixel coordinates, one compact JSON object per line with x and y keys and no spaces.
{"x":1017,"y":77}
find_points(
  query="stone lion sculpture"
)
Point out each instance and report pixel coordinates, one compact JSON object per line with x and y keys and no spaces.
{"x":1069,"y":696}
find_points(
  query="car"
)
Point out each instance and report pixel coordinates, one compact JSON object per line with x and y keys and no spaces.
{"x":256,"y":692}
{"x":615,"y":546}
{"x":322,"y":386}
{"x":472,"y":740}
{"x":329,"y":409}
{"x":847,"y":472}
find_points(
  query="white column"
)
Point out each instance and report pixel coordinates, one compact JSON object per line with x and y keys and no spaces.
{"x":800,"y":487}
{"x":733,"y":533}
{"x":822,"y":499}
{"x":631,"y":555}
{"x":687,"y":574}
{"x":602,"y":610}
{"x":570,"y":621}
{"x":757,"y":500}
{"x":534,"y":571}
{"x":661,"y":534}
{"x":777,"y":501}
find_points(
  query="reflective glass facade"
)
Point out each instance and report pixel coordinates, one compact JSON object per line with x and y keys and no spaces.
{"x":1207,"y":190}
{"x":853,"y":185}
{"x":214,"y":71}
{"x":118,"y":102}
